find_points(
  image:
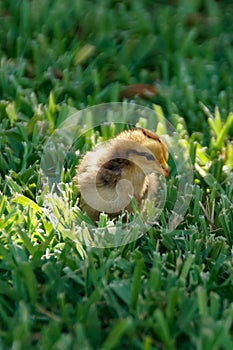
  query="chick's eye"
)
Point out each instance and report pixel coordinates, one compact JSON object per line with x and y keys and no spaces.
{"x":149,"y":156}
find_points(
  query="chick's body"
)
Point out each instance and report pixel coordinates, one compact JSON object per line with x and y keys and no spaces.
{"x":119,"y":170}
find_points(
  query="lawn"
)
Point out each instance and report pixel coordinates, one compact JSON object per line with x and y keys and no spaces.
{"x":172,"y":287}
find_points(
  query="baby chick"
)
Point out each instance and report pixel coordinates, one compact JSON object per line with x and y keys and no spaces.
{"x":113,"y":174}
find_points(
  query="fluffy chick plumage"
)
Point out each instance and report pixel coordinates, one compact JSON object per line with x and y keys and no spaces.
{"x":120,"y":169}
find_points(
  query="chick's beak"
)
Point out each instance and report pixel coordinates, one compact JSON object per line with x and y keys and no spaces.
{"x":166,"y":172}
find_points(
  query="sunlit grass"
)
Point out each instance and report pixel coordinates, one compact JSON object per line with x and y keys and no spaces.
{"x":169,"y":289}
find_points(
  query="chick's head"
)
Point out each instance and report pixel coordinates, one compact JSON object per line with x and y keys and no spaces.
{"x":149,"y":151}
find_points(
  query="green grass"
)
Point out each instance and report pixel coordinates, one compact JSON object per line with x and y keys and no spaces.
{"x":170,"y":289}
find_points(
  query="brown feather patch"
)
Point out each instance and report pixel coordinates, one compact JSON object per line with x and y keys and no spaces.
{"x":150,"y":135}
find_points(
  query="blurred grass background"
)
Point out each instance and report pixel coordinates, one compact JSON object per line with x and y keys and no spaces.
{"x":167,"y":290}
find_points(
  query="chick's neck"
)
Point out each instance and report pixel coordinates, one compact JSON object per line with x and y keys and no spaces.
{"x":137,"y":179}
